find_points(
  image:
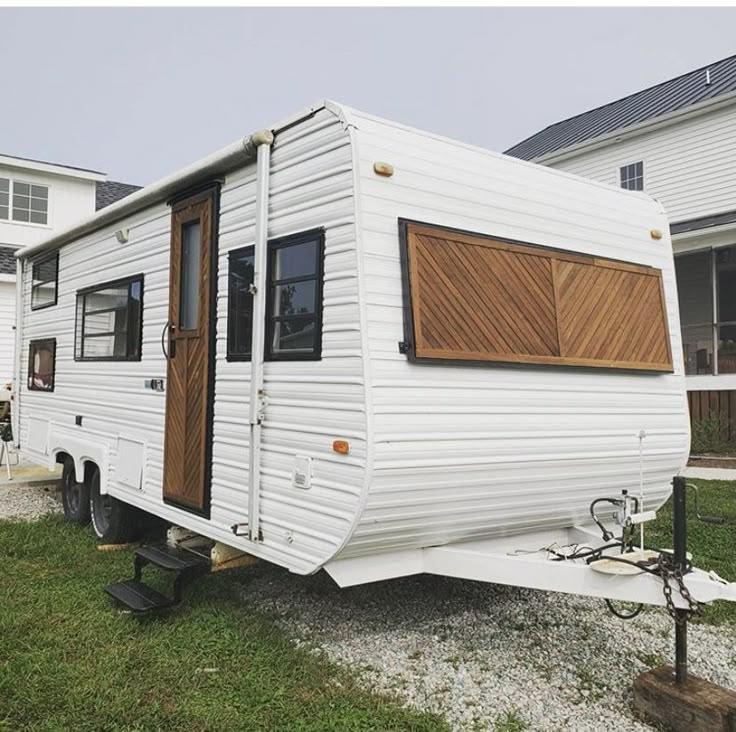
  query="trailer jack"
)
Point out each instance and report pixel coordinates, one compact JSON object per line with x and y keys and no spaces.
{"x":670,"y":697}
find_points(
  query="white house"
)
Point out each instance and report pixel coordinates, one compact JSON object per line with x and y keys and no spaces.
{"x":36,"y":199}
{"x":677,"y":142}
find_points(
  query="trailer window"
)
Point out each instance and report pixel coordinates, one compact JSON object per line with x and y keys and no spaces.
{"x":44,"y":280}
{"x":470,"y":297}
{"x":240,"y":304}
{"x":109,"y":321}
{"x":42,"y":364}
{"x":294,"y":306}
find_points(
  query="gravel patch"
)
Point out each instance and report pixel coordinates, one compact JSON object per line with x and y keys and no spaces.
{"x":28,"y":501}
{"x":474,"y":652}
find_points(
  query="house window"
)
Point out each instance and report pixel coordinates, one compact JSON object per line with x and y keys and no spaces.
{"x":109,"y":321}
{"x":240,"y":304}
{"x":44,"y":281}
{"x":30,"y":203}
{"x":4,"y":198}
{"x":42,"y":364}
{"x":632,"y":176}
{"x":294,"y":305}
{"x":706,"y":285}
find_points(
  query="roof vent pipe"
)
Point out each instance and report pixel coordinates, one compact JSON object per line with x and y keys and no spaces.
{"x":707,"y":77}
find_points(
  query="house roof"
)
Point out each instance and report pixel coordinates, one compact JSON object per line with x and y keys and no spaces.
{"x":7,"y":260}
{"x":61,"y":169}
{"x":109,"y":191}
{"x":707,"y":82}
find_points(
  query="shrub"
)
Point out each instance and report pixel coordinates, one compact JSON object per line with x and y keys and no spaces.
{"x":711,"y":435}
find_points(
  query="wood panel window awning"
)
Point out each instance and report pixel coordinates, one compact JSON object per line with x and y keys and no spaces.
{"x":470,"y":297}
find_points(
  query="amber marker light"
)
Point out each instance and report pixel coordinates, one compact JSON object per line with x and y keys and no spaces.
{"x":384,"y":169}
{"x":341,"y":447}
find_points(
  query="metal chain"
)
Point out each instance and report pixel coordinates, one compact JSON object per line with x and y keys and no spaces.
{"x":668,"y":571}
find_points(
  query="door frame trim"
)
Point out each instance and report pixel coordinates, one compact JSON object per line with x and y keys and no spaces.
{"x":209,"y":192}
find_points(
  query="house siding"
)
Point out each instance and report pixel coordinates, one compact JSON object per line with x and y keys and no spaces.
{"x":7,"y":332}
{"x":688,"y":166}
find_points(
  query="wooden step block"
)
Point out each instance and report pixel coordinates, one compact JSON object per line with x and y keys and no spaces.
{"x":696,"y":706}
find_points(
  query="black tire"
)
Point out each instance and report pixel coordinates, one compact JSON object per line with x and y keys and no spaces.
{"x":74,"y":496}
{"x":113,"y":521}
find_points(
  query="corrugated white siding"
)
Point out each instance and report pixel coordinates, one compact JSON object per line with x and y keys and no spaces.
{"x":7,"y":334}
{"x":309,"y":403}
{"x":688,"y":166}
{"x":110,"y":396}
{"x":466,"y":452}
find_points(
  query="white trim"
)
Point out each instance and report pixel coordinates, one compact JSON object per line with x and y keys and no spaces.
{"x":616,"y":136}
{"x":7,"y":278}
{"x":709,"y":382}
{"x":60,"y":170}
{"x":714,"y":237}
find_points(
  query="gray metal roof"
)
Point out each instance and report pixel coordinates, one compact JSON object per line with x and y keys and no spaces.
{"x":57,"y":165}
{"x":703,"y":222}
{"x":669,"y":96}
{"x":109,"y":191}
{"x":7,"y":260}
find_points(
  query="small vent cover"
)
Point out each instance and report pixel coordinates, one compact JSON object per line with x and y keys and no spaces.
{"x":302,"y":476}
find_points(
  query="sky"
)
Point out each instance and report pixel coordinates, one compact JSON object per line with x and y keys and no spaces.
{"x":139,"y":93}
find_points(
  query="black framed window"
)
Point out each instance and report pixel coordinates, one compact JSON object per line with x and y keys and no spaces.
{"x":109,"y":321}
{"x":632,"y":176}
{"x":44,"y":281}
{"x":294,"y":305}
{"x":42,"y":364}
{"x":240,"y":304}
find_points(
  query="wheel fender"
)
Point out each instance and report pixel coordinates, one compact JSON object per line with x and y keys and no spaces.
{"x":84,"y":461}
{"x":82,"y":450}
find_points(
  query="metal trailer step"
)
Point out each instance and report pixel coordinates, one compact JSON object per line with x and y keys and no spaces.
{"x":169,"y":558}
{"x":138,"y":596}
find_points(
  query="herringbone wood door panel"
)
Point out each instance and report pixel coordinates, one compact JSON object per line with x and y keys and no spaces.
{"x":185,"y":443}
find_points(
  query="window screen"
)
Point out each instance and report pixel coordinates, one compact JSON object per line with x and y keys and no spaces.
{"x":240,"y":304}
{"x":473,"y":298}
{"x":42,"y":364}
{"x":109,"y":320}
{"x":44,"y":280}
{"x":632,"y":176}
{"x":294,"y":307}
{"x":30,"y":203}
{"x":4,"y":198}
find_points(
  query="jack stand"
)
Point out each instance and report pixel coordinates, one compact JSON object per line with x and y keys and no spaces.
{"x":676,"y":700}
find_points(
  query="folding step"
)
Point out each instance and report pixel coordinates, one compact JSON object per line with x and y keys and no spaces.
{"x":138,"y":596}
{"x":169,"y":558}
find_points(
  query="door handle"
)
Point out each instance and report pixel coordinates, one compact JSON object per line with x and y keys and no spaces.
{"x":166,"y":339}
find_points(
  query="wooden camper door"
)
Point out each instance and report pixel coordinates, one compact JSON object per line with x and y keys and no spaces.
{"x":187,"y":448}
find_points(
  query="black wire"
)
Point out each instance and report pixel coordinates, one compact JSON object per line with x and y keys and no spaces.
{"x":624,"y":616}
{"x":582,"y":554}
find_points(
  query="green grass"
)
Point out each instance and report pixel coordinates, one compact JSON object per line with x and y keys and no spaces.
{"x":70,"y":661}
{"x":712,"y":546}
{"x":510,"y":721}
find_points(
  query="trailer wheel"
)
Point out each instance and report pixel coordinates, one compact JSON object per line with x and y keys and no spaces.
{"x":113,"y":521}
{"x":74,"y":496}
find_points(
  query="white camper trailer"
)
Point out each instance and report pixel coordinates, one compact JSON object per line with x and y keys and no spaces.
{"x":342,"y":343}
